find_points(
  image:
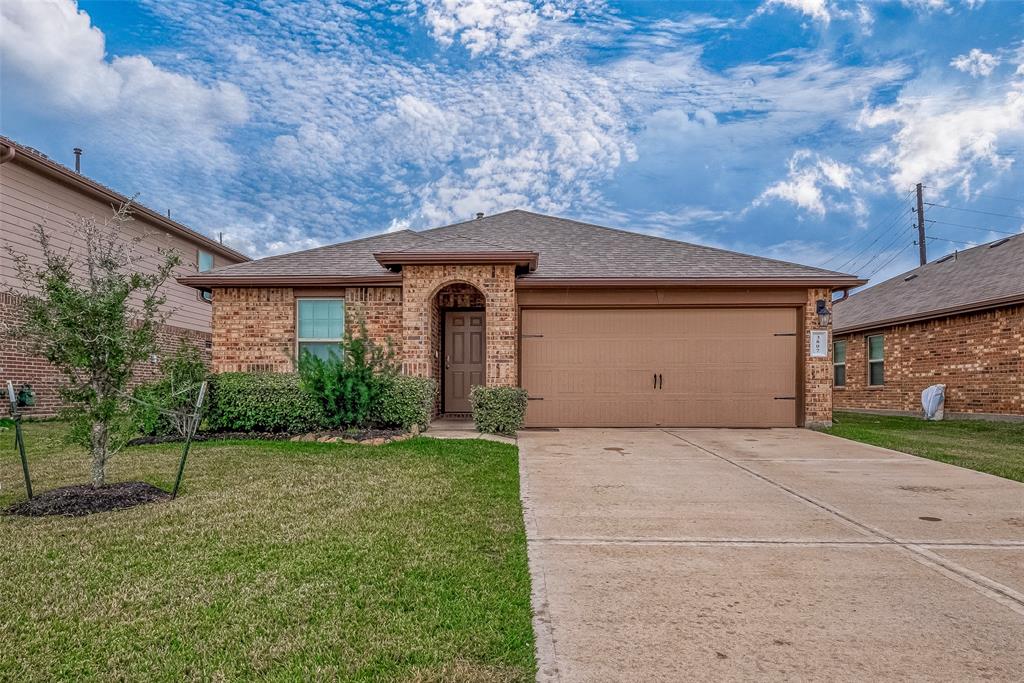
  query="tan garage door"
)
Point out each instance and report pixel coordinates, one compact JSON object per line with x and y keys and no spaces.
{"x":729,"y":367}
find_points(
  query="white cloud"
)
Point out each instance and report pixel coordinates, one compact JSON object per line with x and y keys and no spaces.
{"x":976,"y":62}
{"x":51,"y":53}
{"x":506,"y":26}
{"x":944,"y":138}
{"x":812,"y":180}
{"x":866,"y":18}
{"x":818,"y":10}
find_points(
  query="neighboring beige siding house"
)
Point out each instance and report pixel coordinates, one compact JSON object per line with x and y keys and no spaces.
{"x":36,"y":190}
{"x":602,"y":327}
{"x":957,"y":321}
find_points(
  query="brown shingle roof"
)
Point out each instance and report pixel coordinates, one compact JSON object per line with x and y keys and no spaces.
{"x":568,"y":250}
{"x":981,"y":277}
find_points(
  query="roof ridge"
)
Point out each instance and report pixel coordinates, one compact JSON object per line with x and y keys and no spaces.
{"x":320,"y":248}
{"x":631,"y":233}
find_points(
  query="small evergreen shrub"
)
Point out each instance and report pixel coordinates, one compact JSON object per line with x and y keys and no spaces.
{"x":262,"y":402}
{"x":349,"y":384}
{"x":163,"y":407}
{"x":404,"y":401}
{"x":498,"y":410}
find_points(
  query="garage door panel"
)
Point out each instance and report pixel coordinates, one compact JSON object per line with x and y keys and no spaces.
{"x":718,"y":367}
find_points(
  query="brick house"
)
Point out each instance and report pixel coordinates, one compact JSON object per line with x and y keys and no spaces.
{"x":36,"y":190}
{"x":602,"y":327}
{"x":957,"y":321}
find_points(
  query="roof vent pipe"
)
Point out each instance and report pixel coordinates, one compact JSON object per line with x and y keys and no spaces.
{"x":479,"y":215}
{"x":78,"y":159}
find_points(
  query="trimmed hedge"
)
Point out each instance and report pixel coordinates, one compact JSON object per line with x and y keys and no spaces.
{"x":404,"y":401}
{"x":498,"y":410}
{"x":262,"y":402}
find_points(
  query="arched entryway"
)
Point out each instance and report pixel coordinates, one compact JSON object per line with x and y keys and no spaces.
{"x":459,"y":338}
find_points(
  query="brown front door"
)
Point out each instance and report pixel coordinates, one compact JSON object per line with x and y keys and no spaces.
{"x":463,"y":357}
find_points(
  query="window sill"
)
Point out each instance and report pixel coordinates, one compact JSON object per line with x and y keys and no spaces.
{"x":875,"y":387}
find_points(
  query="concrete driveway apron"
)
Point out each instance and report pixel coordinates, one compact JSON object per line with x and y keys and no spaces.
{"x":767,"y":554}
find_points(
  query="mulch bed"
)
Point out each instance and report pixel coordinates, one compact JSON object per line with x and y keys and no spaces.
{"x":83,"y":499}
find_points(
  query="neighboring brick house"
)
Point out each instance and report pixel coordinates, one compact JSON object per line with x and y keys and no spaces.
{"x":35,"y":190}
{"x":957,"y":321}
{"x":602,"y":327}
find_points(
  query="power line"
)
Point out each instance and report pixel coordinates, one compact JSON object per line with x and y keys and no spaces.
{"x":895,"y":256}
{"x":995,"y":196}
{"x":987,"y":213}
{"x":943,"y":239}
{"x":886,"y":223}
{"x":873,"y":242}
{"x":973,"y":227}
{"x":887,"y":247}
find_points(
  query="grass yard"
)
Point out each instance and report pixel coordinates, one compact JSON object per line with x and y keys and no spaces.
{"x":280,"y":560}
{"x":993,"y":447}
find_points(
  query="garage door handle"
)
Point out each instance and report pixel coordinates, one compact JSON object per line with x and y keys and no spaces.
{"x":655,"y":380}
{"x":785,"y":398}
{"x":661,"y":381}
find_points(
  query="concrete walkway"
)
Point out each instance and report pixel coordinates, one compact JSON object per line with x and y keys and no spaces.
{"x":767,"y":554}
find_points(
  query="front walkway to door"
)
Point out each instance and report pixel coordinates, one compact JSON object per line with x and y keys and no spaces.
{"x":767,"y":554}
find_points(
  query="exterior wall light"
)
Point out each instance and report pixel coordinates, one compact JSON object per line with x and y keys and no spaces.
{"x":824,"y":315}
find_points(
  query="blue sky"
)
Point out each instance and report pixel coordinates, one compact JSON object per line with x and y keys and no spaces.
{"x":788,"y":128}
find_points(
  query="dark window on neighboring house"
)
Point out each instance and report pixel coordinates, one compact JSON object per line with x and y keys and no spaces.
{"x":876,"y":360}
{"x":206,"y":295}
{"x":839,"y":363}
{"x":205,"y":261}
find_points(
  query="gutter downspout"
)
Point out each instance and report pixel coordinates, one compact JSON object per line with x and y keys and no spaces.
{"x":7,"y":155}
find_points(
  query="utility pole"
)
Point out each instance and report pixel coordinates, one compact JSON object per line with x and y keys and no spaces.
{"x":921,"y":243}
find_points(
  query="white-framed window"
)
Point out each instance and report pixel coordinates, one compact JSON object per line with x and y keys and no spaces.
{"x":839,"y":363}
{"x":204,"y":261}
{"x":876,"y":360}
{"x":321,"y":325}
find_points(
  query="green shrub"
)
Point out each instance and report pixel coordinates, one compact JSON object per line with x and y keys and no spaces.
{"x":163,"y":407}
{"x":262,"y":402}
{"x":350,"y":383}
{"x":404,"y":401}
{"x":498,"y":410}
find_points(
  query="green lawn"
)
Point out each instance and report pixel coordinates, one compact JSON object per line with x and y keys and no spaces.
{"x":283,"y":561}
{"x":993,"y":447}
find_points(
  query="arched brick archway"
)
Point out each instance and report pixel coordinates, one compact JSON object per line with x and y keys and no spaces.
{"x":426,"y":287}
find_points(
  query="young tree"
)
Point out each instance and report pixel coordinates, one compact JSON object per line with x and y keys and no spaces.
{"x":94,"y":318}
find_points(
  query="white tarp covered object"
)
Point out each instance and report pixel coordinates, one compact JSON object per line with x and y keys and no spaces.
{"x":933,"y":400}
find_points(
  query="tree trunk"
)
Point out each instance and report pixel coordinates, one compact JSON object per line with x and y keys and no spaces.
{"x":100,"y":452}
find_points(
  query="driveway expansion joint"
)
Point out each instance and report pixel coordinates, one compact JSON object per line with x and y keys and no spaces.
{"x":982,"y":584}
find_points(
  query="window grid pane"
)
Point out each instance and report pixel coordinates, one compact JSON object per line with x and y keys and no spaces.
{"x":322,"y":350}
{"x":321,"y":318}
{"x":877,"y":373}
{"x":840,"y":376}
{"x":205,"y":261}
{"x":839,"y":352}
{"x":876,"y":347}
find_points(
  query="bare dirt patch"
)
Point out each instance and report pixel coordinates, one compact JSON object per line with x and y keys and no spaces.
{"x":83,"y":499}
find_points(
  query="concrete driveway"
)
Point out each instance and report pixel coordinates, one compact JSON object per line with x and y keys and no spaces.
{"x":767,"y":554}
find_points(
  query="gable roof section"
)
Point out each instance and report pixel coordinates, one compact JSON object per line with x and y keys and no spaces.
{"x":42,"y":164}
{"x":569,"y":253}
{"x":986,"y":276}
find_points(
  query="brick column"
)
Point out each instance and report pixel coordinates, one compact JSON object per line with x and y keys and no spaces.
{"x":817,"y":371}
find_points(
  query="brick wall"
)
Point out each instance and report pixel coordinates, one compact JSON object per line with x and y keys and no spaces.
{"x":17,"y":363}
{"x":817,"y":371}
{"x":254,"y":327}
{"x":419,"y":317}
{"x":978,"y":356}
{"x":381,"y":309}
